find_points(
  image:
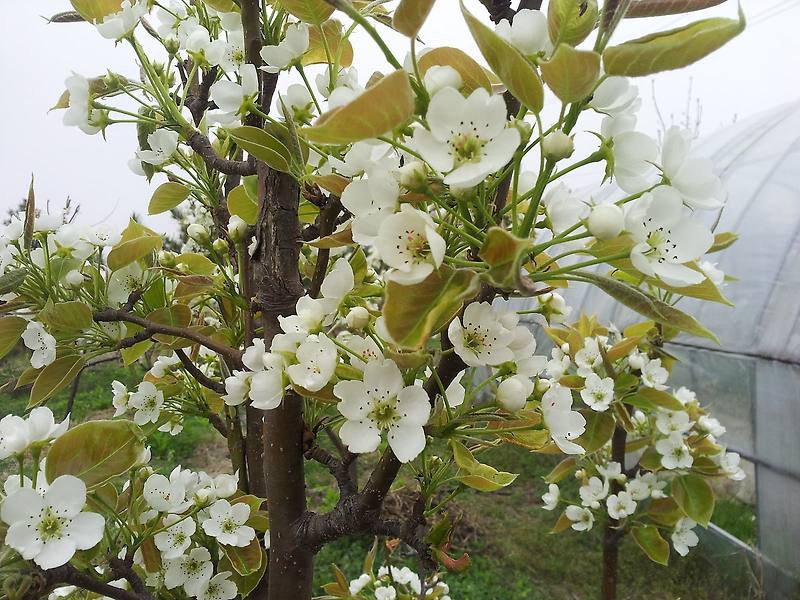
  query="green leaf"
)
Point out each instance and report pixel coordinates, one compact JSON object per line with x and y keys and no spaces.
{"x":177,"y":315}
{"x":137,"y":242}
{"x":11,"y":330}
{"x":648,"y":306}
{"x":67,"y":316}
{"x":95,"y":10}
{"x":262,"y":145}
{"x":247,"y":560}
{"x":571,"y":73}
{"x":660,"y":8}
{"x":244,"y":584}
{"x":382,"y":107}
{"x":338,"y":45}
{"x":55,"y":377}
{"x":197,"y":264}
{"x":563,"y":469}
{"x":571,"y":21}
{"x":504,"y":253}
{"x":671,"y":49}
{"x":241,"y":205}
{"x":476,"y":475}
{"x":651,"y":398}
{"x":96,"y":451}
{"x":652,"y":544}
{"x":414,"y":312}
{"x":473,"y":76}
{"x":410,"y":15}
{"x":599,"y":429}
{"x":225,"y":6}
{"x":315,"y":12}
{"x":514,"y":70}
{"x":166,"y":197}
{"x":723,"y":240}
{"x":11,"y":280}
{"x":694,"y":496}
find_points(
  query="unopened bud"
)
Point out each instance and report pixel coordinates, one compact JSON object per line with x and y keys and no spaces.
{"x":512,"y":393}
{"x":438,"y":77}
{"x":237,"y":229}
{"x":220,"y":246}
{"x":74,"y":279}
{"x":167,"y":258}
{"x":606,"y":221}
{"x":198,"y":233}
{"x":557,"y":145}
{"x":357,"y":318}
{"x":414,"y":176}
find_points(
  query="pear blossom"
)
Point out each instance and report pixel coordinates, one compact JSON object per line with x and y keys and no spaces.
{"x":358,"y":584}
{"x":523,"y":347}
{"x":672,"y":421}
{"x":220,"y":587}
{"x":382,"y":402}
{"x":293,"y":46}
{"x":620,"y":505}
{"x":637,"y":359}
{"x":639,"y":488}
{"x":479,"y":338}
{"x":357,"y":317}
{"x":468,"y":138}
{"x":666,"y":239}
{"x":582,"y":518}
{"x":229,"y":53}
{"x":233,"y":98}
{"x":674,"y":452}
{"x":267,"y":385}
{"x":589,"y":357}
{"x":41,"y":426}
{"x":513,"y":392}
{"x":692,"y":176}
{"x":553,"y":307}
{"x":163,"y":495}
{"x":564,"y":423}
{"x":455,"y":392}
{"x":614,"y":96}
{"x":527,"y":32}
{"x":715,"y":274}
{"x":366,"y":348}
{"x":593,"y":492}
{"x":51,"y":527}
{"x":344,"y":78}
{"x":438,"y":77}
{"x":612,"y":471}
{"x":192,"y":571}
{"x":385,"y":593}
{"x":408,"y":242}
{"x":123,"y":282}
{"x":311,"y":313}
{"x":371,"y":201}
{"x":42,"y":343}
{"x":226,"y":523}
{"x":163,"y":143}
{"x":551,"y":497}
{"x":13,"y":436}
{"x":298,"y":100}
{"x":598,"y":394}
{"x":685,"y":395}
{"x":711,"y":425}
{"x":606,"y":221}
{"x":237,"y":387}
{"x":117,"y":25}
{"x":120,"y":398}
{"x":80,"y":113}
{"x":558,"y":363}
{"x":683,"y":537}
{"x":147,"y":401}
{"x":176,"y":538}
{"x":654,"y":375}
{"x":634,"y":153}
{"x":729,"y":463}
{"x":164,"y":364}
{"x":317,"y":358}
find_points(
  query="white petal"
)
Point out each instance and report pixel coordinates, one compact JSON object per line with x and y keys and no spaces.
{"x":360,"y":436}
{"x":413,"y":406}
{"x":406,"y":441}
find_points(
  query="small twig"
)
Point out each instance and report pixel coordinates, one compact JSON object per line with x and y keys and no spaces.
{"x":200,"y":377}
{"x":202,"y":146}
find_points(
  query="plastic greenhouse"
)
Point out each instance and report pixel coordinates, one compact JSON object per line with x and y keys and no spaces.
{"x":752,"y":380}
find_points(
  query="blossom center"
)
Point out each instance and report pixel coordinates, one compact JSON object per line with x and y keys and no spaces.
{"x":51,"y":526}
{"x":384,"y":413}
{"x":467,"y":147}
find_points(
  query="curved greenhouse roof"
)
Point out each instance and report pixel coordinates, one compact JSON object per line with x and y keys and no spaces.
{"x":758,"y":160}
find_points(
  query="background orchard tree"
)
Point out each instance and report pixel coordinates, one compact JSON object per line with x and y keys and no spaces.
{"x":351,"y":247}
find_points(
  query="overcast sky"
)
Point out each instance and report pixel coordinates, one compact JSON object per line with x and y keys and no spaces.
{"x":757,"y":70}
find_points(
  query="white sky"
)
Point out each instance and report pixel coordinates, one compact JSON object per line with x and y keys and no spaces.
{"x":755,"y":71}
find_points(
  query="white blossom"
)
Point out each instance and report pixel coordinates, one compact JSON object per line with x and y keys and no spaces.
{"x":164,"y":364}
{"x":408,"y":242}
{"x":80,"y":113}
{"x":468,"y":138}
{"x":606,"y":221}
{"x":513,"y":392}
{"x":672,"y":421}
{"x":527,"y":31}
{"x":382,"y":402}
{"x":163,"y":143}
{"x":729,"y":463}
{"x":371,"y":201}
{"x":479,"y":337}
{"x":176,"y":537}
{"x":620,"y":505}
{"x":316,"y":362}
{"x":564,"y":423}
{"x":163,"y":495}
{"x":146,"y":401}
{"x":598,"y":394}
{"x":117,"y":25}
{"x":654,"y":375}
{"x":13,"y":436}
{"x":634,"y":153}
{"x":192,"y":571}
{"x":683,"y":537}
{"x":50,"y":528}
{"x":674,"y":452}
{"x":293,"y":46}
{"x":692,"y":176}
{"x":551,"y":497}
{"x":220,"y":587}
{"x":438,"y":77}
{"x":227,"y":523}
{"x":593,"y":492}
{"x":42,"y":343}
{"x":582,"y":518}
{"x":615,"y":95}
{"x":233,"y":98}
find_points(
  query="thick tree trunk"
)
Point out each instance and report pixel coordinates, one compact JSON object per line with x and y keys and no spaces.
{"x":612,"y":534}
{"x":278,"y":286}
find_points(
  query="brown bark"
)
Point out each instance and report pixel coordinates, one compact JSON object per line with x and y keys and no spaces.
{"x":611,"y":533}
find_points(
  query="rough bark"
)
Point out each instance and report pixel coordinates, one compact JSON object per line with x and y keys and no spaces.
{"x":611,"y":533}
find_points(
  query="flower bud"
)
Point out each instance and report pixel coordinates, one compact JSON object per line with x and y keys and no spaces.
{"x":237,"y":229}
{"x":542,"y":385}
{"x":220,"y":246}
{"x":414,"y":176}
{"x":226,"y":485}
{"x":512,"y":393}
{"x":438,"y":77}
{"x":167,"y":258}
{"x":571,"y":21}
{"x":606,"y":221}
{"x":198,"y":233}
{"x":357,"y":318}
{"x":558,"y":145}
{"x":74,"y":279}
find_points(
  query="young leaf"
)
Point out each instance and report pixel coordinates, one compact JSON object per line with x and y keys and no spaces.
{"x":11,"y":280}
{"x":329,"y":32}
{"x":504,"y":253}
{"x":166,"y":197}
{"x":96,"y":451}
{"x":137,"y":242}
{"x":95,"y":10}
{"x":67,"y":316}
{"x":241,"y":205}
{"x":563,"y":469}
{"x":314,"y":12}
{"x":247,"y":560}
{"x":414,"y":312}
{"x":660,"y":8}
{"x":694,"y":496}
{"x":599,"y":429}
{"x":571,"y":73}
{"x":55,"y":377}
{"x":514,"y":70}
{"x":410,"y":15}
{"x":472,"y":74}
{"x":11,"y":329}
{"x":671,"y":49}
{"x":476,"y":475}
{"x":381,"y":108}
{"x":264,"y":146}
{"x":652,"y":544}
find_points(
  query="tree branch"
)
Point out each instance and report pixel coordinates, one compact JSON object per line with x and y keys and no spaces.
{"x":202,"y":146}
{"x":69,"y":575}
{"x":200,"y":377}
